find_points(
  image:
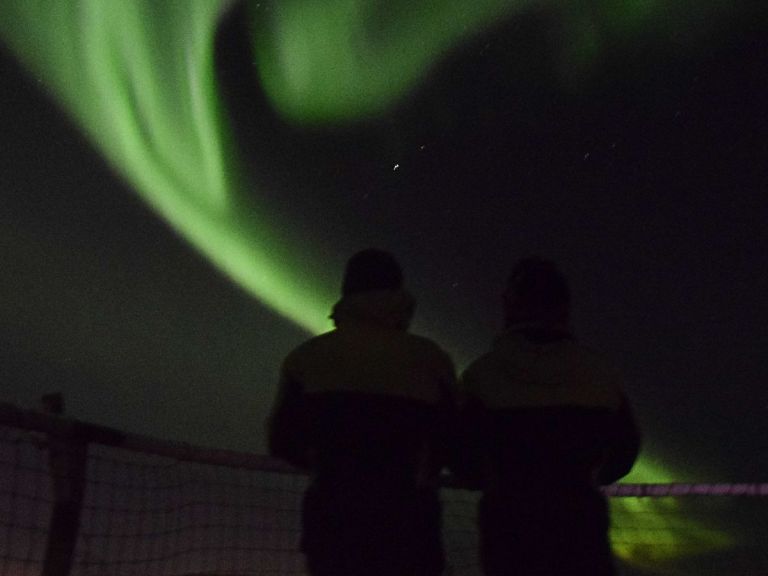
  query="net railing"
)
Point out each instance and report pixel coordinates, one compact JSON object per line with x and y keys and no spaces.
{"x":77,"y":499}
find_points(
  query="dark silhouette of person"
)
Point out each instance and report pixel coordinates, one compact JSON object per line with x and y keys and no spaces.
{"x":367,"y":408}
{"x":544,"y":423}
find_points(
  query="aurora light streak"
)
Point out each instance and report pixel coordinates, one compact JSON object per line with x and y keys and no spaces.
{"x":138,"y":77}
{"x":359,"y":57}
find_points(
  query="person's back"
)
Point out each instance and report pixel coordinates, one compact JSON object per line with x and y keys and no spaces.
{"x":365,"y":409}
{"x":545,"y":423}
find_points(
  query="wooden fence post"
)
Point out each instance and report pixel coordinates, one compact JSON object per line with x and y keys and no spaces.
{"x":67,"y":458}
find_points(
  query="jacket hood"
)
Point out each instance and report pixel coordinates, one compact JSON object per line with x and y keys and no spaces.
{"x":385,"y":308}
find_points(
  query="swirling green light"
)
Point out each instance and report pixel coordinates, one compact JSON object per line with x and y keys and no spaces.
{"x":138,"y":77}
{"x":339,"y":60}
{"x":325,"y":61}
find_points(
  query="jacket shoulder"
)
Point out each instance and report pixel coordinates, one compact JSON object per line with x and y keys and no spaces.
{"x":427,"y":346}
{"x":310,"y":345}
{"x":563,"y":374}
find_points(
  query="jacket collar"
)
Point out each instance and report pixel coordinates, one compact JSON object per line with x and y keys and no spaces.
{"x":384,"y":308}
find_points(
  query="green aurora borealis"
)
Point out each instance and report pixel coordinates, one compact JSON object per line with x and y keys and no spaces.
{"x":138,"y":77}
{"x":144,"y":92}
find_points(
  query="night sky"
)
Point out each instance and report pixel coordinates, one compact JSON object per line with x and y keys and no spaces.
{"x":642,"y":171}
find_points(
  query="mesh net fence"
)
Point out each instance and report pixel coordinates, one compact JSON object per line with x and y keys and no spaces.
{"x":89,"y":501}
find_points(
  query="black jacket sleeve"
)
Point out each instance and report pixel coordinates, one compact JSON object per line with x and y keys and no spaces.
{"x":624,"y":446}
{"x":287,"y":425}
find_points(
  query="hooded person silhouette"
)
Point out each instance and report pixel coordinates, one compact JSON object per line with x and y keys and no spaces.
{"x":367,"y":409}
{"x":544,"y":424}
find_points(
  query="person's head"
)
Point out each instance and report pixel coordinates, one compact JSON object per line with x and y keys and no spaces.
{"x":371,"y":270}
{"x":536,"y":292}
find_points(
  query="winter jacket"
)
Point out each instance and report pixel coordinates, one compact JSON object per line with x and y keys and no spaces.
{"x":545,"y":423}
{"x":367,"y":408}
